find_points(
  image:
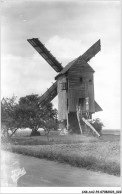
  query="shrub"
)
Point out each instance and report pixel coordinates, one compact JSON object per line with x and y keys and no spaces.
{"x":97,"y":124}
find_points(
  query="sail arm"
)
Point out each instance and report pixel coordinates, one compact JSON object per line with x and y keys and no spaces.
{"x":49,"y":95}
{"x":92,"y":51}
{"x":42,"y":50}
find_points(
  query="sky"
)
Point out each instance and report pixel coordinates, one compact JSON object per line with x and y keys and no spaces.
{"x":67,"y":28}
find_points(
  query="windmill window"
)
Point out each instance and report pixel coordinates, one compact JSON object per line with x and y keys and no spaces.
{"x":64,"y":86}
{"x":90,"y":81}
{"x":81,"y":80}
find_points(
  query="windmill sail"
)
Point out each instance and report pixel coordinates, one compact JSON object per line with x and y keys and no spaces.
{"x":92,"y":51}
{"x":42,"y":50}
{"x":49,"y":95}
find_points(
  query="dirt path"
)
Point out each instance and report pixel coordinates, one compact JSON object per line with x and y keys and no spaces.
{"x":36,"y":172}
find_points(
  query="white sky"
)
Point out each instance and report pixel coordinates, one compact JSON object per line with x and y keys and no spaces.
{"x":68,"y":29}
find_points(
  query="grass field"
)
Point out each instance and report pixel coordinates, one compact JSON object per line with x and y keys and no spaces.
{"x":23,"y":138}
{"x":98,"y":154}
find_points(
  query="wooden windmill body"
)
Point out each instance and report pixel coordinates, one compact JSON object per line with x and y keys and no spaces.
{"x":74,"y":86}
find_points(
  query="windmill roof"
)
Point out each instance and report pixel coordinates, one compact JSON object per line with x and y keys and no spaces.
{"x":70,"y":64}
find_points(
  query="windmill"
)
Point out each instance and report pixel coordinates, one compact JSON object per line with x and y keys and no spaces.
{"x":74,"y":86}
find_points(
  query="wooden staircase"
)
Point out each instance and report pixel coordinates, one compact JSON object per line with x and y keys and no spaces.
{"x":82,"y":120}
{"x":90,"y":126}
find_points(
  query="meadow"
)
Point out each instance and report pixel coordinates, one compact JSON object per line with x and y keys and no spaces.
{"x":93,"y":153}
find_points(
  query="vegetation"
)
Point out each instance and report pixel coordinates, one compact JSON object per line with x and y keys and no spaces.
{"x":22,"y":137}
{"x":9,"y":119}
{"x":98,"y":154}
{"x":33,"y":115}
{"x":97,"y":124}
{"x":27,"y":113}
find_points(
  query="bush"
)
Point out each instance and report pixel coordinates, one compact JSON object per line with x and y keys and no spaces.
{"x":97,"y":124}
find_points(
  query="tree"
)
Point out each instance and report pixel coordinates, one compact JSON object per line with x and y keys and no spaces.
{"x":52,"y":123}
{"x":34,"y":116}
{"x":8,"y":116}
{"x":26,"y":113}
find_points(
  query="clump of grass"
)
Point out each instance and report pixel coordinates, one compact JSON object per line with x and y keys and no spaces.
{"x":90,"y":155}
{"x":98,"y":154}
{"x":55,"y":138}
{"x":52,"y":139}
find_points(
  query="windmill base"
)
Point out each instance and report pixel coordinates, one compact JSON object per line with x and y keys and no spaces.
{"x":73,"y":123}
{"x":72,"y":126}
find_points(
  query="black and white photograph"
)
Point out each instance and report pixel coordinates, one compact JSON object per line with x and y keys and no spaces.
{"x":60,"y":96}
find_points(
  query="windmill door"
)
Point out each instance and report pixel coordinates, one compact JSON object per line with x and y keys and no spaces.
{"x":82,"y":104}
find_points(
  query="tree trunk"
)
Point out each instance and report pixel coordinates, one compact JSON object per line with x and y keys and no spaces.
{"x":13,"y":132}
{"x":35,"y":132}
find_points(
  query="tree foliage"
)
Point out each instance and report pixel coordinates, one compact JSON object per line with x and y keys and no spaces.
{"x":97,"y":124}
{"x":27,"y":113}
{"x":8,"y":115}
{"x":33,"y":115}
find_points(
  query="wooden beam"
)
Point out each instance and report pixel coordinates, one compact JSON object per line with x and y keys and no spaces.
{"x":49,"y":95}
{"x":93,"y":129}
{"x":78,"y":117}
{"x":92,"y":51}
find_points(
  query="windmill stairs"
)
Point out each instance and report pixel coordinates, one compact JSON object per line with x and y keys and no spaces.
{"x":88,"y":126}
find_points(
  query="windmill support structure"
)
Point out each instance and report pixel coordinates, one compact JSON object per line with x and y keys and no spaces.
{"x":79,"y":113}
